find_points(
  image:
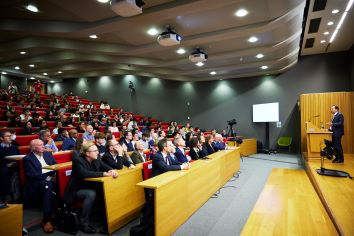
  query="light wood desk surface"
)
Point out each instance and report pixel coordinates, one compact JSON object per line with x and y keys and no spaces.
{"x":192,"y":187}
{"x":11,"y":220}
{"x":58,"y":166}
{"x":123,"y":199}
{"x":336,"y":193}
{"x":288,"y":205}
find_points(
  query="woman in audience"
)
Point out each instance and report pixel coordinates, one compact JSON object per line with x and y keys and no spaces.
{"x":86,"y":166}
{"x":113,"y":128}
{"x":28,"y":129}
{"x":81,"y":128}
{"x":208,"y":147}
{"x":58,"y":125}
{"x":43,"y":125}
{"x":196,"y":152}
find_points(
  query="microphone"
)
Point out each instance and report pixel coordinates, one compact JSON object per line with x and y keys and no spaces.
{"x":314,"y":117}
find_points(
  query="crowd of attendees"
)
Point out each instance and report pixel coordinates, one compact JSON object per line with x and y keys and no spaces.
{"x":96,"y":150}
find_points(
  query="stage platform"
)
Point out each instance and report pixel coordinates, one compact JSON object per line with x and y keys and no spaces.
{"x":336,"y":194}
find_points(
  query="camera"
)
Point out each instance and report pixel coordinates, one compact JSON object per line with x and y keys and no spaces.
{"x":232,"y":122}
{"x":131,"y":86}
{"x":328,"y":151}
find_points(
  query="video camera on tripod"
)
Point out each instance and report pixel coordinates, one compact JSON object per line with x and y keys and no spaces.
{"x":232,"y":133}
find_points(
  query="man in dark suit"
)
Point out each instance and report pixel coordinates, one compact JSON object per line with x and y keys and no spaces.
{"x":337,"y":127}
{"x":70,"y":143}
{"x":86,"y":166}
{"x":127,"y":140}
{"x":40,"y":182}
{"x":162,"y":162}
{"x":180,"y":144}
{"x":114,"y":157}
{"x":138,"y":155}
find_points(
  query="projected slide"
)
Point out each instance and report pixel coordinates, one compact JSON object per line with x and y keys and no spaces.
{"x":267,"y":112}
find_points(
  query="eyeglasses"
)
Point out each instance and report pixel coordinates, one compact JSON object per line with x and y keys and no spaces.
{"x":93,"y":150}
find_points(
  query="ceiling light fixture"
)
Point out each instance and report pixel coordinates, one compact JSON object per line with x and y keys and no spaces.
{"x":213,"y":73}
{"x":181,"y":51}
{"x":259,"y":55}
{"x":45,"y":73}
{"x":103,"y":1}
{"x":323,"y":41}
{"x":17,"y":67}
{"x":31,"y":65}
{"x":253,"y":39}
{"x":93,"y":36}
{"x":330,"y":23}
{"x":23,"y":53}
{"x":241,"y":12}
{"x":335,"y":11}
{"x":326,"y":33}
{"x":52,"y":81}
{"x":32,"y":8}
{"x":264,"y":67}
{"x":59,"y":72}
{"x":349,"y":5}
{"x":152,"y":32}
{"x":4,"y":73}
{"x":32,"y":78}
{"x":199,"y":64}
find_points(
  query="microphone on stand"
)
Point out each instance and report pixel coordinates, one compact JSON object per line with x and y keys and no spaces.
{"x":313,"y":117}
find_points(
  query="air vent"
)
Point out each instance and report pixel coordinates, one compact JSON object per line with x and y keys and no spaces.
{"x":309,"y":42}
{"x":319,"y":5}
{"x":314,"y":25}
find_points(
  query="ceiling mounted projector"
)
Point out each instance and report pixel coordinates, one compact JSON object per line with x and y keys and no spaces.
{"x":169,"y":38}
{"x":198,"y":56}
{"x":127,"y":8}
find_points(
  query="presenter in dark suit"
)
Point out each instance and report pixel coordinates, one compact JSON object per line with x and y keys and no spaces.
{"x":86,"y":166}
{"x":40,"y":182}
{"x":337,"y":127}
{"x":162,"y":162}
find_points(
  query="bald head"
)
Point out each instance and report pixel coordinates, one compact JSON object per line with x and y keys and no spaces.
{"x":37,"y":146}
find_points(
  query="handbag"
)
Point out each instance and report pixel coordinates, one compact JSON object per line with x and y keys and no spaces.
{"x":67,"y":221}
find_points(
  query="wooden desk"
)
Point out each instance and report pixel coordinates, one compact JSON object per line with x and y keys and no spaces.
{"x":288,"y":205}
{"x":337,"y":194}
{"x":315,"y":140}
{"x":192,"y":187}
{"x":58,"y":166}
{"x":15,"y":157}
{"x":11,"y":220}
{"x":248,"y":146}
{"x":123,"y":199}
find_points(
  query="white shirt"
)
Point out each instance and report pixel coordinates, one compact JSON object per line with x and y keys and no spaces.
{"x":142,"y":156}
{"x":43,"y":163}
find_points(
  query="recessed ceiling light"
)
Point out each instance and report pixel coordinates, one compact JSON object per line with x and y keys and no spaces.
{"x":259,"y":55}
{"x":326,"y":33}
{"x":241,"y":13}
{"x":330,"y":23}
{"x":103,"y":1}
{"x":323,"y":41}
{"x":264,"y":67}
{"x":45,"y":73}
{"x":253,"y":39}
{"x":220,"y":79}
{"x":32,"y":8}
{"x":23,"y":53}
{"x":59,"y":72}
{"x":152,"y":32}
{"x":4,"y":73}
{"x":52,"y":81}
{"x":32,"y":77}
{"x":31,"y":65}
{"x":199,"y":64}
{"x":17,"y":67}
{"x":213,"y":73}
{"x":93,"y":36}
{"x":181,"y":51}
{"x":335,"y":11}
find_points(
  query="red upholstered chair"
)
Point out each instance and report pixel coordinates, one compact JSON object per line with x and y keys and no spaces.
{"x":51,"y":123}
{"x":24,"y":140}
{"x":63,"y":177}
{"x":147,"y":153}
{"x":4,"y":123}
{"x":187,"y":152}
{"x":24,"y":150}
{"x":21,"y":172}
{"x":147,"y":170}
{"x":61,"y":157}
{"x":116,"y":135}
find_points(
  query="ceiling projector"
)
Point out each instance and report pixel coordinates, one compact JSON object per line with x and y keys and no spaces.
{"x":169,"y":38}
{"x":198,"y":56}
{"x":127,"y":8}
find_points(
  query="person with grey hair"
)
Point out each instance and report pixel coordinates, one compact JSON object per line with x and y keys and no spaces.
{"x":89,"y":135}
{"x":49,"y":144}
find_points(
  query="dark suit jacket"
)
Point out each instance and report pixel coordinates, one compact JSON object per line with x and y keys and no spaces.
{"x":82,"y":169}
{"x":33,"y":171}
{"x":136,"y":157}
{"x":107,"y":158}
{"x":129,"y":145}
{"x":196,"y":155}
{"x":338,"y":125}
{"x":159,"y":166}
{"x":208,"y":149}
{"x":218,"y":146}
{"x":180,"y":156}
{"x":68,"y":144}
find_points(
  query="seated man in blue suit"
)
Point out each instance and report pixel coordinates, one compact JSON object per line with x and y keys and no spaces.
{"x":70,"y":143}
{"x":40,"y":182}
{"x":218,"y":143}
{"x":162,"y":162}
{"x":180,"y":144}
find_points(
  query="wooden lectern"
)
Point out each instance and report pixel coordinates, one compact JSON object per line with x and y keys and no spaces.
{"x":315,"y":139}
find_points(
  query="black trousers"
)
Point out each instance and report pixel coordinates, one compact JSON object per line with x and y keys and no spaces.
{"x":88,"y":196}
{"x":337,"y":144}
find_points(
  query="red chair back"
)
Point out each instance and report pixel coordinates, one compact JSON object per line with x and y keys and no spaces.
{"x":63,"y":177}
{"x":24,"y":140}
{"x":61,"y":157}
{"x":24,"y":150}
{"x":147,"y":170}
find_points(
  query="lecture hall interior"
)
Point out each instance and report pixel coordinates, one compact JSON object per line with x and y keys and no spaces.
{"x":177,"y":117}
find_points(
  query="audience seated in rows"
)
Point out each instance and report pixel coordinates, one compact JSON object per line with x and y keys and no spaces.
{"x":69,"y":143}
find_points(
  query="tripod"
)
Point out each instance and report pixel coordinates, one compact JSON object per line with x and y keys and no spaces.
{"x":230,"y":131}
